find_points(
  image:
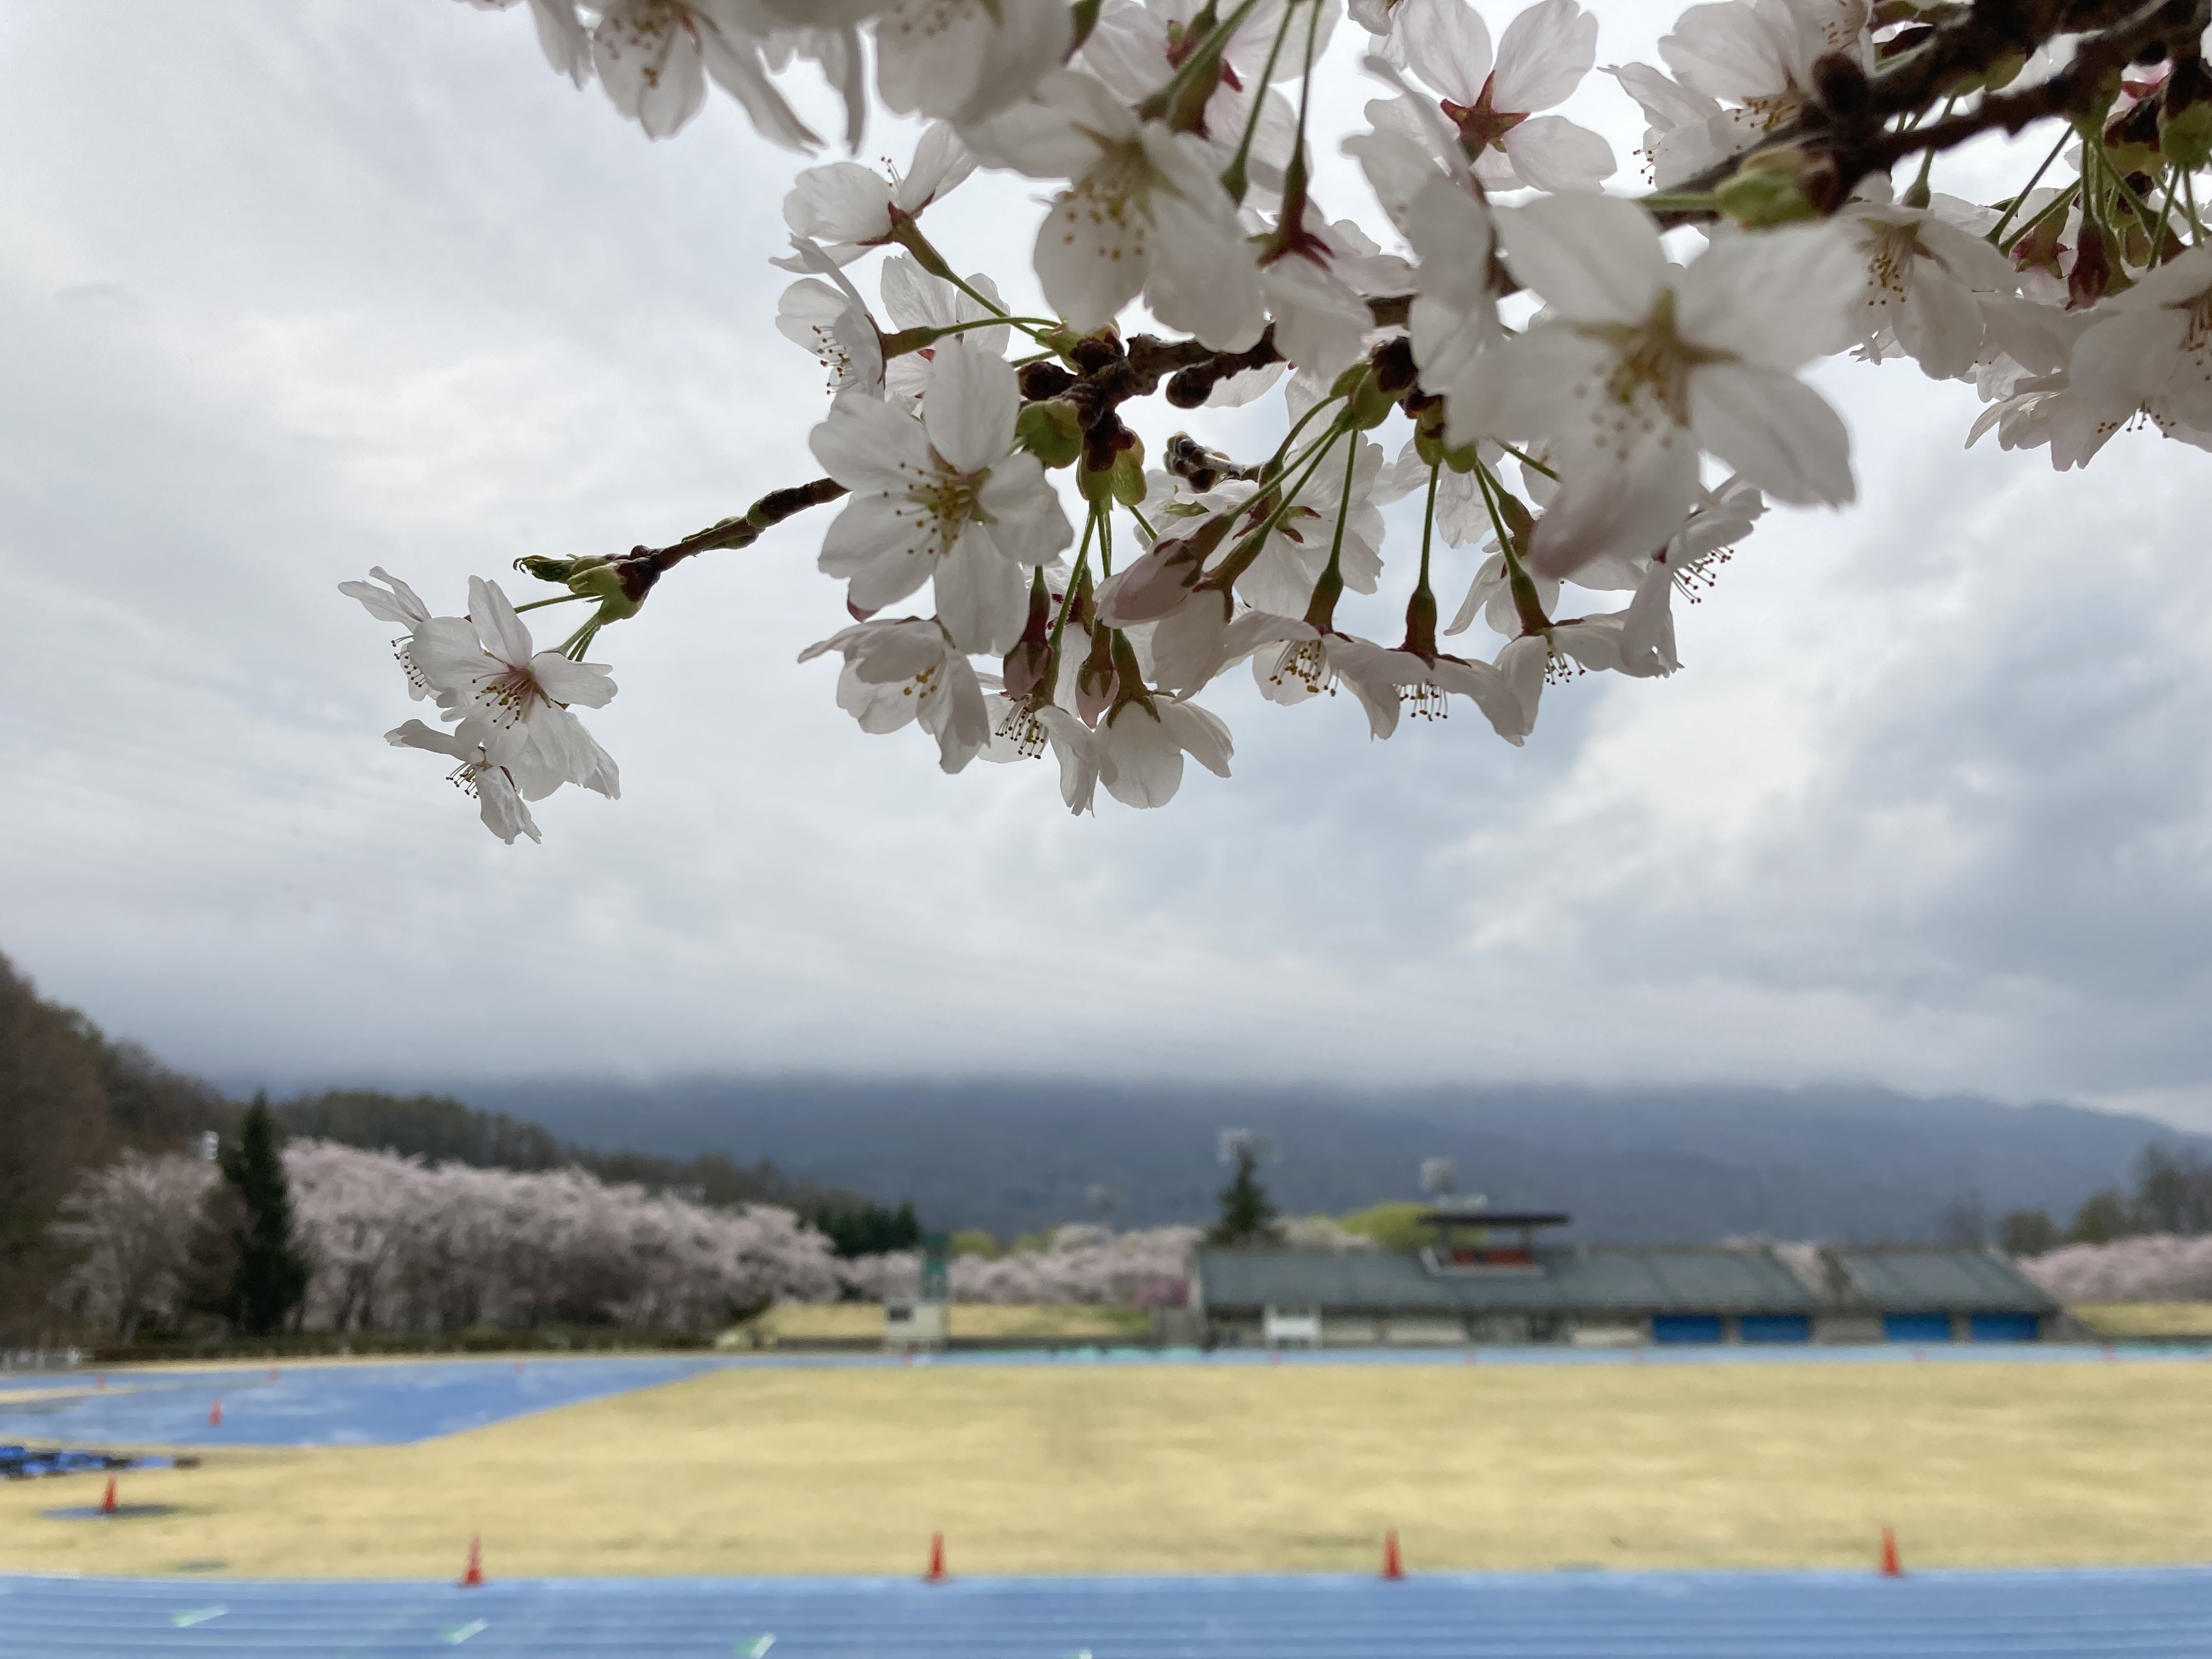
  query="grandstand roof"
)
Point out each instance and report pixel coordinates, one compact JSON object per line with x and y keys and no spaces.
{"x":1591,"y":1278}
{"x":1905,"y":1277}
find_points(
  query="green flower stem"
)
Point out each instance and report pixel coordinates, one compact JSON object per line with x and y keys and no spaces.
{"x":1528,"y":460}
{"x":1321,"y":609}
{"x":1525,"y":604}
{"x":1248,"y":545}
{"x":2034,"y":179}
{"x":908,"y":234}
{"x":2058,"y":204}
{"x":1203,"y":57}
{"x":1074,"y":581}
{"x":1233,"y":177}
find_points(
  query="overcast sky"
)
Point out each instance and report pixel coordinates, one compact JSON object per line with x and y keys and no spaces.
{"x":292,"y":289}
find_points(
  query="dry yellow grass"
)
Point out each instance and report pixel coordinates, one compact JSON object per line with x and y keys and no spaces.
{"x":800,"y":1322}
{"x":1218,"y":1468}
{"x":2122,"y":1320}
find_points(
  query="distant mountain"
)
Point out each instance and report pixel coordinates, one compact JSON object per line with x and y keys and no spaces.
{"x":1673,"y":1164}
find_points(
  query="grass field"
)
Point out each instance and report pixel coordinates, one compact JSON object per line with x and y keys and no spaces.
{"x":1218,"y":1468}
{"x":803,"y":1322}
{"x":2122,"y":1320}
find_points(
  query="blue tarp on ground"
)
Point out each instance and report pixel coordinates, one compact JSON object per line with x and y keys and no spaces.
{"x":2146,"y":1613}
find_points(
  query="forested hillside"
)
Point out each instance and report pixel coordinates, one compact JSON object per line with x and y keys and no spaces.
{"x":72,"y":1100}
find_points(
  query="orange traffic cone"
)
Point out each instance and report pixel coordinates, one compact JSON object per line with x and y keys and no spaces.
{"x":1393,"y":1567}
{"x":1890,"y":1569}
{"x":936,"y":1573}
{"x":107,"y":1498}
{"x":214,"y":1415}
{"x":472,"y":1574}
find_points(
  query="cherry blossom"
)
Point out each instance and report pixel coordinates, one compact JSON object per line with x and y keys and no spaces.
{"x":940,"y":498}
{"x":2151,"y":353}
{"x":965,"y":60}
{"x":1590,"y":395}
{"x":653,"y":57}
{"x":826,"y":316}
{"x":1143,"y":742}
{"x":898,"y":672}
{"x":1544,"y":55}
{"x":1145,"y":214}
{"x":848,"y":208}
{"x":1925,"y":279}
{"x":1640,"y":362}
{"x":521,"y":694}
{"x":396,"y":602}
{"x":1742,"y":68}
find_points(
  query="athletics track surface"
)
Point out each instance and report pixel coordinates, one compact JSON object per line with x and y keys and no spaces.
{"x":385,"y":1404}
{"x":2149,"y":1614}
{"x":2146,"y":1613}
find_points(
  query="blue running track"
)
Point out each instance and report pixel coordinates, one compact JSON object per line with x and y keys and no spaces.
{"x":363,"y":1405}
{"x":2145,"y":1613}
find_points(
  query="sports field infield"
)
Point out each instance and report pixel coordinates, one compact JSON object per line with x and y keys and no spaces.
{"x":1213,"y":1468}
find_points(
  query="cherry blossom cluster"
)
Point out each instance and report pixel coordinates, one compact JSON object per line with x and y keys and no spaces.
{"x":1082,"y":1265}
{"x":396,"y":1244}
{"x":2156,"y":1268}
{"x":1592,"y":385}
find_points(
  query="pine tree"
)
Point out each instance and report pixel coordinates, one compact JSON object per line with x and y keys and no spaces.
{"x":1248,"y":1215}
{"x":270,"y":1281}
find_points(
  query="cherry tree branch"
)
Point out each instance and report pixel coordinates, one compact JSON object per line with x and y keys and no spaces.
{"x":1846,"y":122}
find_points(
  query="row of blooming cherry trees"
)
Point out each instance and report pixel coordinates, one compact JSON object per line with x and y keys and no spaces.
{"x":1593,"y":396}
{"x":2157,"y":1268}
{"x":398,"y":1245}
{"x":1089,"y":1265}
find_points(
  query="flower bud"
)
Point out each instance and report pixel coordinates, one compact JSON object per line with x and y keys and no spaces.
{"x":1421,"y":623}
{"x":1777,"y":188}
{"x":1841,"y":84}
{"x":1157,"y":583}
{"x":2091,"y":278}
{"x":1097,"y":684}
{"x":1195,"y":464}
{"x":619,"y":584}
{"x":1029,"y":665}
{"x":1369,"y":405}
{"x":2184,"y":115}
{"x":1041,"y":380}
{"x":1051,"y":430}
{"x":1094,"y":351}
{"x":1121,"y":479}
